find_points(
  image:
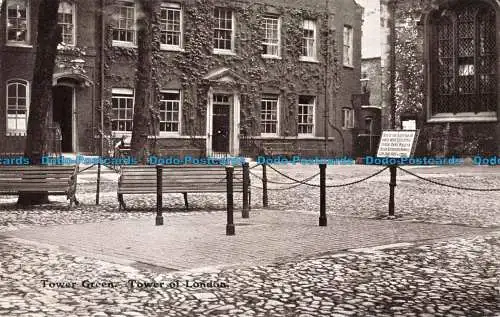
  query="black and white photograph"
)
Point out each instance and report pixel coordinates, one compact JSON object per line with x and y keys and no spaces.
{"x":229,"y":158}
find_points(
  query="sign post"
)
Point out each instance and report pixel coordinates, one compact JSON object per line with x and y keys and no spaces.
{"x":396,"y":144}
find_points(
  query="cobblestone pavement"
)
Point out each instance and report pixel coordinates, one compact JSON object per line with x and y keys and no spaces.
{"x":457,"y":277}
{"x":452,"y":277}
{"x":415,"y":199}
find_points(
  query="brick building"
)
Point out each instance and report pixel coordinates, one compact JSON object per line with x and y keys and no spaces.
{"x":442,"y":56}
{"x":230,"y":75}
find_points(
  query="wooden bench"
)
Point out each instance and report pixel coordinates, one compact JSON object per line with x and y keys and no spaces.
{"x":177,"y":179}
{"x":54,"y":180}
{"x":279,"y":148}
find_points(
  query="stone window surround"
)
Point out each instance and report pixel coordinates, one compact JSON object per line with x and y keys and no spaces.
{"x":463,"y":117}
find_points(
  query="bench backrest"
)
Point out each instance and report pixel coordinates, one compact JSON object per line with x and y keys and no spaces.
{"x":37,"y":178}
{"x":179,"y":178}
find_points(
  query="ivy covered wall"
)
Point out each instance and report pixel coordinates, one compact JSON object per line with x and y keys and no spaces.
{"x":287,"y":77}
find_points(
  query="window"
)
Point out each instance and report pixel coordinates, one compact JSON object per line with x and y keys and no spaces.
{"x":348,"y":43}
{"x":269,"y":116}
{"x":17,"y":106}
{"x":124,"y":29}
{"x":123,"y":110}
{"x":464,"y":63}
{"x":309,"y":40}
{"x":271,"y":42}
{"x":223,"y":30}
{"x":17,"y":21}
{"x":65,"y":16}
{"x":170,"y":111}
{"x":306,"y":115}
{"x":347,"y":118}
{"x":171,"y":26}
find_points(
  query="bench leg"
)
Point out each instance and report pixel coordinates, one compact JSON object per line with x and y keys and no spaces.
{"x":121,"y":203}
{"x":249,"y":200}
{"x":186,"y":200}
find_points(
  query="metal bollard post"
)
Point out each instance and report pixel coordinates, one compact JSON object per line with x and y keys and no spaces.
{"x":229,"y":181}
{"x":265,"y":202}
{"x":159,"y":195}
{"x":322,"y":195}
{"x":246,"y":180}
{"x":392,"y":184}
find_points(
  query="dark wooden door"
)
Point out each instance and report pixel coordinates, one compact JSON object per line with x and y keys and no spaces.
{"x":220,"y":128}
{"x":61,"y":114}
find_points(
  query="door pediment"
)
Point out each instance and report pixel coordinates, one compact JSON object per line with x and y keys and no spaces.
{"x":224,"y":75}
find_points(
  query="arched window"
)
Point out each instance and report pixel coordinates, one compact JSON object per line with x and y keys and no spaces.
{"x":17,"y":106}
{"x":463,"y":64}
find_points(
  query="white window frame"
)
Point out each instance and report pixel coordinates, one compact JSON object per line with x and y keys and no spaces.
{"x":347,"y":118}
{"x":73,"y":20}
{"x":230,"y":51}
{"x":16,"y":117}
{"x":133,"y":43}
{"x":25,"y":42}
{"x":310,"y":25}
{"x":268,"y":41}
{"x":348,"y":46}
{"x":270,"y":98}
{"x":309,"y":106}
{"x":175,"y":7}
{"x":127,"y":93}
{"x":179,"y":119}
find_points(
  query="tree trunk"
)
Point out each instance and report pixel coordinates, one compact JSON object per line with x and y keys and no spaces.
{"x":48,"y":37}
{"x":144,"y":87}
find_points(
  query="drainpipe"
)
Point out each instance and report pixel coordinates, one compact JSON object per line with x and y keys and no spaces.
{"x":101,"y":141}
{"x":327,"y":58}
{"x":392,"y":69}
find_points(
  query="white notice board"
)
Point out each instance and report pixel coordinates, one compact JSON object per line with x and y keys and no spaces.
{"x":397,"y":144}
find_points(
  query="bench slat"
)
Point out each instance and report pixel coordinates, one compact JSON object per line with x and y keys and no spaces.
{"x":31,"y":174}
{"x":185,"y":185}
{"x":177,"y":190}
{"x":34,"y":188}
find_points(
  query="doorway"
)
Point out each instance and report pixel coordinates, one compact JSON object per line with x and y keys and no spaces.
{"x":62,"y":115}
{"x":221,"y":131}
